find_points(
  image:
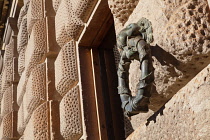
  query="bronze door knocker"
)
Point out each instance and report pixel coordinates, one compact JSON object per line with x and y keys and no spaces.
{"x":133,"y":43}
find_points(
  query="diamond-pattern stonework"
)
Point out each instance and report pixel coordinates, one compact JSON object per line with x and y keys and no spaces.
{"x":54,"y":93}
{"x":36,"y":47}
{"x":35,"y":13}
{"x":35,"y":89}
{"x":83,"y":8}
{"x":70,"y":115}
{"x":21,"y":61}
{"x":23,"y":116}
{"x":7,"y":72}
{"x":21,"y":124}
{"x":22,"y":38}
{"x":37,"y":127}
{"x":122,"y":9}
{"x":21,"y":88}
{"x":56,"y":4}
{"x":7,"y":126}
{"x":66,"y":75}
{"x":6,"y":103}
{"x":69,"y":28}
{"x":23,"y":12}
{"x":7,"y":76}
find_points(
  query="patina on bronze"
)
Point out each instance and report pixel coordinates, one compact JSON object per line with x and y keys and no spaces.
{"x":133,"y":43}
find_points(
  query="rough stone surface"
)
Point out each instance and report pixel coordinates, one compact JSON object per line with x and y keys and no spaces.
{"x":7,"y":126}
{"x":36,"y":88}
{"x":69,"y":28}
{"x":122,"y":9}
{"x":21,"y":124}
{"x":8,"y":56}
{"x":135,"y":121}
{"x":36,"y":47}
{"x":22,"y":138}
{"x":6,"y":103}
{"x":21,"y":61}
{"x":70,"y":115}
{"x":66,"y":75}
{"x":185,"y":116}
{"x":21,"y":88}
{"x":56,"y":4}
{"x":23,"y":116}
{"x":180,"y":48}
{"x":22,"y":38}
{"x":35,"y":94}
{"x":35,"y":13}
{"x":75,"y":13}
{"x":29,"y":131}
{"x":37,"y":127}
{"x":83,"y":8}
{"x":7,"y":76}
{"x":7,"y":72}
{"x":23,"y":12}
{"x":1,"y":93}
{"x":181,"y":43}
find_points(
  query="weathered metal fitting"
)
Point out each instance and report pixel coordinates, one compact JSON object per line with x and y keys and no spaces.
{"x":123,"y":90}
{"x":133,"y":41}
{"x":132,"y":108}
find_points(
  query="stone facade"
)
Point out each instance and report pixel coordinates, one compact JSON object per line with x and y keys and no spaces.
{"x":43,"y":62}
{"x":57,"y":62}
{"x":185,"y":116}
{"x":180,"y":49}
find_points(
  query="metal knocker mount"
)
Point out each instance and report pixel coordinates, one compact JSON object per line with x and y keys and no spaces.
{"x":133,"y":43}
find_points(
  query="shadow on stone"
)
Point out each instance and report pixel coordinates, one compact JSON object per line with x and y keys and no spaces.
{"x":164,"y":57}
{"x":128,"y":127}
{"x":154,"y":116}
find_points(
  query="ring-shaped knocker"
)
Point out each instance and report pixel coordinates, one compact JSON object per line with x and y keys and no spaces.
{"x":133,"y":44}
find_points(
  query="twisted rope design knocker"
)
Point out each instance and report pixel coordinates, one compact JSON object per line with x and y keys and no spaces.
{"x":133,"y":44}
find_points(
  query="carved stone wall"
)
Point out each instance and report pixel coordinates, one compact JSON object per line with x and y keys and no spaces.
{"x":121,"y":10}
{"x":185,"y":116}
{"x":39,"y":87}
{"x":66,"y":75}
{"x":41,"y":93}
{"x":180,"y":49}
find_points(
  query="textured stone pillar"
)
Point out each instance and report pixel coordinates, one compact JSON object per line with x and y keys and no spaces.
{"x":8,"y":91}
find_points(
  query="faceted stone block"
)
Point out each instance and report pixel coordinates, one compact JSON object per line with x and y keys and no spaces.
{"x":36,"y":87}
{"x":70,"y":115}
{"x":20,"y":120}
{"x":6,"y":102}
{"x":66,"y":75}
{"x":83,"y":8}
{"x":23,"y":12}
{"x":35,"y":13}
{"x":67,"y":25}
{"x":6,"y":126}
{"x":56,"y":4}
{"x":21,"y":88}
{"x":122,"y":9}
{"x":21,"y":61}
{"x":7,"y":72}
{"x":7,"y":76}
{"x":36,"y":47}
{"x":185,"y":116}
{"x":22,"y":38}
{"x":37,"y":127}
